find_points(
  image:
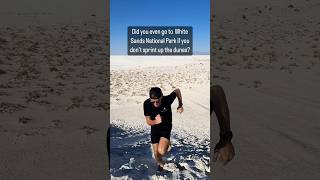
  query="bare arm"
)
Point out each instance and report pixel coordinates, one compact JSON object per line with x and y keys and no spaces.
{"x":223,"y":150}
{"x":178,"y":93}
{"x":153,"y":122}
{"x":219,"y":105}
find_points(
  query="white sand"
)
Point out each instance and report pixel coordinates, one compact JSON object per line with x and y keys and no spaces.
{"x":133,"y":62}
{"x":52,"y":97}
{"x":268,"y":64}
{"x":190,"y":134}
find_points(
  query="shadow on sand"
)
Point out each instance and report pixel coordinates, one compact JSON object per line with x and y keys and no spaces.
{"x":131,"y":157}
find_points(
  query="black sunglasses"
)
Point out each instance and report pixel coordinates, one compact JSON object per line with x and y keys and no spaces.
{"x":156,"y":100}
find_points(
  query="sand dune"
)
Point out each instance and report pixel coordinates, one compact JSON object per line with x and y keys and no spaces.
{"x":131,"y":155}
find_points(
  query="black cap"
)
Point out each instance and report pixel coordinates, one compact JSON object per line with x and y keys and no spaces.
{"x":155,"y":93}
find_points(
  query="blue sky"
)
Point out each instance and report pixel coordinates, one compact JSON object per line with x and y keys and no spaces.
{"x":124,"y":13}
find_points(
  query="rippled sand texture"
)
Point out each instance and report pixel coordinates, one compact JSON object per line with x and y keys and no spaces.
{"x":266,"y":56}
{"x":53,"y":101}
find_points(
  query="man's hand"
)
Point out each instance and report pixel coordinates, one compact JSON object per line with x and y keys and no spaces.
{"x":178,"y":93}
{"x":158,"y":119}
{"x":180,"y":109}
{"x":224,"y":153}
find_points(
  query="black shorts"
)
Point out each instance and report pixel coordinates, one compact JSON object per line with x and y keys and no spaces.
{"x":160,"y":131}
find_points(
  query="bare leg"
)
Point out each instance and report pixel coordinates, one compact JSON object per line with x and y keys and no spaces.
{"x":163,"y":147}
{"x":156,"y":154}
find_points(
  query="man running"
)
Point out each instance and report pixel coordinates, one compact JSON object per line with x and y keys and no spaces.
{"x":224,"y":150}
{"x":158,"y":114}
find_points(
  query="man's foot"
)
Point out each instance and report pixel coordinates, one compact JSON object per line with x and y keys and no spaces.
{"x":161,"y":162}
{"x":160,"y":168}
{"x":181,"y":168}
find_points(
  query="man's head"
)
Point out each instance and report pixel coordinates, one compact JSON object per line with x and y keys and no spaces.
{"x":155,"y":96}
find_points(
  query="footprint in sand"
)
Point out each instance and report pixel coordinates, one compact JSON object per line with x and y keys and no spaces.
{"x":257,"y":84}
{"x":131,"y":156}
{"x":2,"y":129}
{"x":88,"y":130}
{"x":57,"y":123}
{"x":24,"y":120}
{"x":6,"y":107}
{"x":2,"y":72}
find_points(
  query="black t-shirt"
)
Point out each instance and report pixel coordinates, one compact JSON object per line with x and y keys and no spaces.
{"x":164,"y":109}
